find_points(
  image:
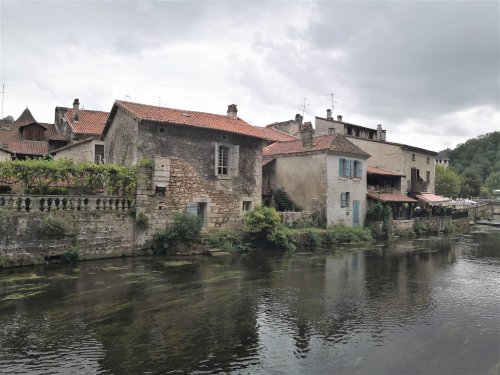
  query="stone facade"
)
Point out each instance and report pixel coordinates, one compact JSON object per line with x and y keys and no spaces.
{"x":83,"y":151}
{"x":4,"y":155}
{"x":97,"y":227}
{"x":186,"y":177}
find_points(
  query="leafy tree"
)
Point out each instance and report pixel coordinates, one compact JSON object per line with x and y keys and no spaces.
{"x":471,"y":183}
{"x":493,"y":181}
{"x":447,"y":182}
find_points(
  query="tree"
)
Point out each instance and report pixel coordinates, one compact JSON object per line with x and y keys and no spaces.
{"x":447,"y":182}
{"x":471,"y":183}
{"x":493,"y":181}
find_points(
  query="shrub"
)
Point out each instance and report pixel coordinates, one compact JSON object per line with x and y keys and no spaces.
{"x":71,"y":255}
{"x":54,"y":225}
{"x":310,"y":238}
{"x":263,"y":227}
{"x":184,"y":232}
{"x":230,"y":240}
{"x":341,"y":234}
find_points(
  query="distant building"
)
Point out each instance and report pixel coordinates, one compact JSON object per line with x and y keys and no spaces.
{"x":28,"y":138}
{"x":443,"y":158}
{"x":325,"y":173}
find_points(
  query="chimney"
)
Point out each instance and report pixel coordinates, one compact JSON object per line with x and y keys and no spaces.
{"x":328,"y":114}
{"x":76,"y":110}
{"x":232,"y":111}
{"x":298,"y":120}
{"x":306,"y":134}
{"x":379,"y":132}
{"x":339,"y":118}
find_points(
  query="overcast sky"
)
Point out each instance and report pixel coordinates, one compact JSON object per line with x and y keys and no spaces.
{"x":429,"y":72}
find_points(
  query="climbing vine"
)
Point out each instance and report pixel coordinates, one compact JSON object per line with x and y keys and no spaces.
{"x":40,"y":174}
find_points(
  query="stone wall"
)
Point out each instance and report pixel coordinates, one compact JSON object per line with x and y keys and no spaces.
{"x":422,"y":161}
{"x":95,"y":227}
{"x":4,"y":155}
{"x":120,"y":145}
{"x":84,"y":151}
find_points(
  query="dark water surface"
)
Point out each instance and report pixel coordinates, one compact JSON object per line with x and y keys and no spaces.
{"x":428,"y":306}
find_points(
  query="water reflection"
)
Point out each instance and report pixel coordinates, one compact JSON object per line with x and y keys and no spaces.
{"x":422,"y":306}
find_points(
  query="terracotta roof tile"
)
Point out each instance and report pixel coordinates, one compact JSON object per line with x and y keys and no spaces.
{"x":89,"y":121}
{"x":277,"y":136}
{"x":383,"y":171}
{"x":196,"y":119}
{"x":332,"y":142}
{"x":390,"y":197}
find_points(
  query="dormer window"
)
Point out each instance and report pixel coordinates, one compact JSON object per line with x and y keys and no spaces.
{"x":33,"y":132}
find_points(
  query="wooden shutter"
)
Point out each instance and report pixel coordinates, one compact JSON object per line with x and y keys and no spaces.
{"x":234,"y":160}
{"x":192,"y":208}
{"x":341,"y":167}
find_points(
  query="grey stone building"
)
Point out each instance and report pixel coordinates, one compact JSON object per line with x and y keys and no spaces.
{"x":206,"y":164}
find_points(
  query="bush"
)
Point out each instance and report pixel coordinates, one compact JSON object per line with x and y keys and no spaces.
{"x":230,"y":240}
{"x":184,"y":232}
{"x":54,"y":225}
{"x":310,"y":238}
{"x":263,"y":227}
{"x":71,"y":255}
{"x":341,"y":234}
{"x":423,"y":228}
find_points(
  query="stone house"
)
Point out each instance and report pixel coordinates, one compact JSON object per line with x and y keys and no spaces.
{"x":443,"y":159}
{"x":206,"y":164}
{"x":323,"y":174}
{"x":414,"y":164}
{"x":83,"y":128}
{"x":28,"y":138}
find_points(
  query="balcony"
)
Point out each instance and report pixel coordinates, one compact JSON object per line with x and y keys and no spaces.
{"x":417,"y":186}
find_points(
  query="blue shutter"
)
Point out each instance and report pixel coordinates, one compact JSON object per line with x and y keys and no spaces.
{"x":359,"y":172}
{"x":341,"y":167}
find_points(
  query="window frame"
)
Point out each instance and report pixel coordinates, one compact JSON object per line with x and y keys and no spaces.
{"x":223,"y":166}
{"x":344,"y":199}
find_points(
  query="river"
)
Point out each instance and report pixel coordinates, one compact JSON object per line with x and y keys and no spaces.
{"x":425,"y":306}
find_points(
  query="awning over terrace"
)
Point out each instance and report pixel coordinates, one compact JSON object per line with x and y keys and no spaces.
{"x":383,"y":172}
{"x":432,"y":199}
{"x":389,"y":197}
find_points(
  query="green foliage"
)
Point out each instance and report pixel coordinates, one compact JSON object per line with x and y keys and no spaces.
{"x":482,"y":154}
{"x":230,"y":240}
{"x":450,"y":228}
{"x":53,"y":225}
{"x":71,"y":255}
{"x":375,"y":212}
{"x":424,"y":228}
{"x":141,"y":221}
{"x":341,"y":235}
{"x":4,"y":217}
{"x":471,"y":183}
{"x":387,"y":225}
{"x":41,"y":175}
{"x":184,"y":232}
{"x":447,"y":182}
{"x":263,"y":227}
{"x":308,"y":238}
{"x":493,"y":181}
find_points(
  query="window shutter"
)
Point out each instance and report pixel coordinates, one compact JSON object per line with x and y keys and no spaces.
{"x":234,"y":160}
{"x":360,"y":170}
{"x":214,"y":159}
{"x":341,"y":167}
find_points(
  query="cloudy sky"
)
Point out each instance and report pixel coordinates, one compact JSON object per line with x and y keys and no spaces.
{"x":428,"y":71}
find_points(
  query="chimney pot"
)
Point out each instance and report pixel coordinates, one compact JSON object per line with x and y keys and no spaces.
{"x":232,"y":111}
{"x":339,"y":118}
{"x":76,"y":110}
{"x":328,"y":114}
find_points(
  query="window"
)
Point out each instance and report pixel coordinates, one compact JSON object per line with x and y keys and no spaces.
{"x":344,"y":199}
{"x":247,"y":206}
{"x":350,"y":168}
{"x":428,"y":160}
{"x":223,"y":161}
{"x":358,"y":169}
{"x":99,"y":154}
{"x":428,"y":176}
{"x":413,"y":157}
{"x":342,"y":167}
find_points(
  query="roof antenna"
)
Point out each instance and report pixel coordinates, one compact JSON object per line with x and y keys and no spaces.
{"x":304,"y":106}
{"x":3,"y":94}
{"x":331,"y":100}
{"x":127,"y":96}
{"x":159,"y":101}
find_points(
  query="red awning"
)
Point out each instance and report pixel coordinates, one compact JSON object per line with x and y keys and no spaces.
{"x":390,"y":197}
{"x":432,"y":199}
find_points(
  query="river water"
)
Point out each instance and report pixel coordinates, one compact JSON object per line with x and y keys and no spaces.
{"x":429,"y":306}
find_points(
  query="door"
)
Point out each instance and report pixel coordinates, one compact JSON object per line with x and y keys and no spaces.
{"x":355,"y":213}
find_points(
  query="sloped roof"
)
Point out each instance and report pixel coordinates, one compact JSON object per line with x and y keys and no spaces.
{"x":383,"y":172}
{"x":190,"y":118}
{"x":277,"y":135}
{"x":11,"y":140}
{"x":25,"y":118}
{"x":431,"y":199}
{"x":331,"y":142}
{"x":89,"y":121}
{"x":390,"y":197}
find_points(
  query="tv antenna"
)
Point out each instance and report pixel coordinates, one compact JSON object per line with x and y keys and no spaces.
{"x":304,"y":106}
{"x":159,"y":101}
{"x":127,"y":96}
{"x":331,"y":100}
